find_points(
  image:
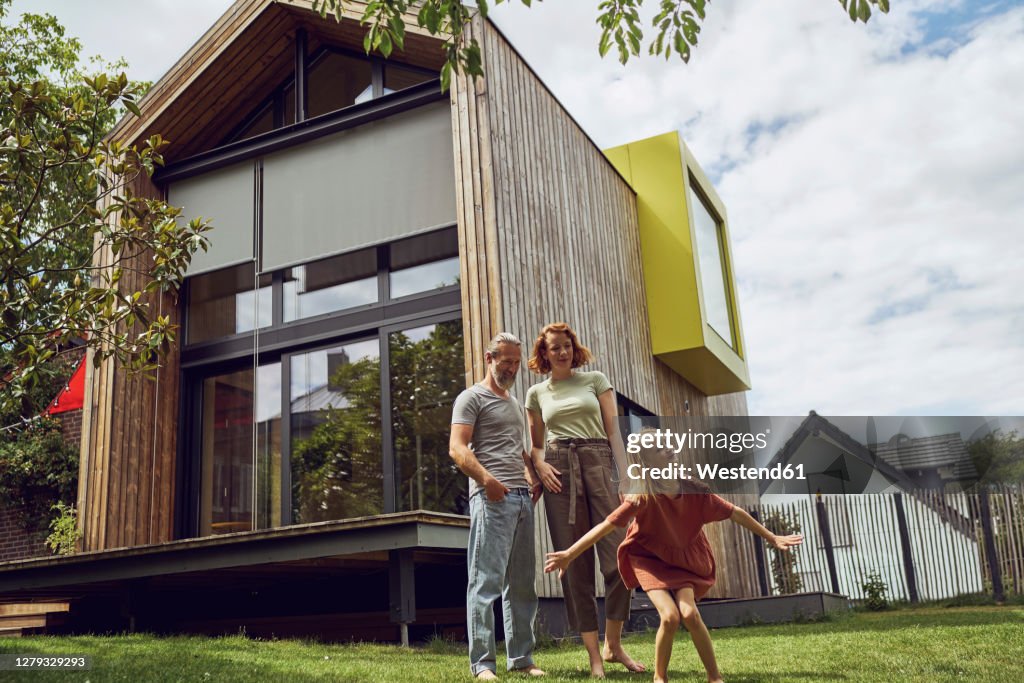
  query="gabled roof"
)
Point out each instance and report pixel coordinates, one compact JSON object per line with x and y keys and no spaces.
{"x":244,"y":55}
{"x":815,"y":424}
{"x":928,"y":452}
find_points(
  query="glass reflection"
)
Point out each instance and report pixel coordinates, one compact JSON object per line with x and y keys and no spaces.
{"x":423,"y":263}
{"x":712,"y":268}
{"x":427,"y":373}
{"x":329,"y":285}
{"x":335,"y":433}
{"x":230,"y":402}
{"x":227,"y":302}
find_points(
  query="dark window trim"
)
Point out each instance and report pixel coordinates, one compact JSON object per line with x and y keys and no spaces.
{"x":276,"y":341}
{"x":301,"y":75}
{"x":189,"y":470}
{"x":298,"y":133}
{"x":626,"y":403}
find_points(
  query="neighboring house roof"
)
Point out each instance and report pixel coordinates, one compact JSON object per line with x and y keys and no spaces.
{"x":816,"y":426}
{"x":813,"y":425}
{"x":928,"y":452}
{"x":319,"y":399}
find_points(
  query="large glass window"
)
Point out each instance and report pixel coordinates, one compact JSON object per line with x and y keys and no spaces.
{"x":335,"y":433}
{"x":262,"y":123}
{"x":336,"y":81}
{"x":330,"y":285}
{"x":399,"y":78}
{"x":227,"y":302}
{"x":289,"y":424}
{"x":425,"y":262}
{"x":713,"y":269}
{"x":427,"y":373}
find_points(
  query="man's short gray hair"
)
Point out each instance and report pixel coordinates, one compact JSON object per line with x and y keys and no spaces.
{"x":502,"y":338}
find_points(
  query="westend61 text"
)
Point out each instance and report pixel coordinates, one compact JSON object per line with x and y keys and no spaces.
{"x":709,"y":472}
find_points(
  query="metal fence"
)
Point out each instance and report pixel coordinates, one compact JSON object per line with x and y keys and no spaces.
{"x":922,"y":545}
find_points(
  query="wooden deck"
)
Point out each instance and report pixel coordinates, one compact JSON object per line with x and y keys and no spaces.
{"x":314,"y":580}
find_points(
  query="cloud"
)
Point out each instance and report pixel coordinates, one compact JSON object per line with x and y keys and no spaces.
{"x":872,"y":174}
{"x":150,"y":34}
{"x":872,"y":177}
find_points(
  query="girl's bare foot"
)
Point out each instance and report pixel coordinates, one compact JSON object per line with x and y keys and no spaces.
{"x":619,"y":655}
{"x":486,"y":675}
{"x":596,"y":666}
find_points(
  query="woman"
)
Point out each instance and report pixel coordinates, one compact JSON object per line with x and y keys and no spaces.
{"x":574,"y":429}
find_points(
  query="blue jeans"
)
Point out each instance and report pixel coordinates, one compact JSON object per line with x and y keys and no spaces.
{"x":501,"y":563}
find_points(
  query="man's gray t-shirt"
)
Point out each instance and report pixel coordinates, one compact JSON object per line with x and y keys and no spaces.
{"x":499,"y":434}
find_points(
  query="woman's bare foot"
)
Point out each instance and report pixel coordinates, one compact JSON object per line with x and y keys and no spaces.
{"x":620,"y":656}
{"x":487,"y":675}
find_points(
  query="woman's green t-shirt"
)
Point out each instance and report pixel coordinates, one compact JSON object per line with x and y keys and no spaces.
{"x":569,"y":407}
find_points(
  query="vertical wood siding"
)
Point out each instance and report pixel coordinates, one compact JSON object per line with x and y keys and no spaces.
{"x":548,"y":230}
{"x":129,"y":439}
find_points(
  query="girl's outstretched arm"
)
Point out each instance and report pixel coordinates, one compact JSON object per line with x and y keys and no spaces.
{"x":743,"y":518}
{"x":561,"y":559}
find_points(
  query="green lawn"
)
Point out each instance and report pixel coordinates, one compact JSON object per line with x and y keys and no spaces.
{"x":931,"y":644}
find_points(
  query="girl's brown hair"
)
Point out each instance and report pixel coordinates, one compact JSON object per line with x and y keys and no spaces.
{"x":646,"y":489}
{"x":538,"y":362}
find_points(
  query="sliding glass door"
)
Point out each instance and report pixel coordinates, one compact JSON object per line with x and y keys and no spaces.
{"x":240,"y":459}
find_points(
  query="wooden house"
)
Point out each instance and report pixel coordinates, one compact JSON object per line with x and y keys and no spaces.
{"x":287,"y":470}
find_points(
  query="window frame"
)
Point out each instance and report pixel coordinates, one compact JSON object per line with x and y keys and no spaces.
{"x":725,"y":265}
{"x":279,"y":343}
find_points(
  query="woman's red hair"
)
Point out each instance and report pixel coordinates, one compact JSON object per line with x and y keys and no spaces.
{"x":538,"y":362}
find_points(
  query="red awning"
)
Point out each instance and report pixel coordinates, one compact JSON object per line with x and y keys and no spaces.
{"x":72,"y":396}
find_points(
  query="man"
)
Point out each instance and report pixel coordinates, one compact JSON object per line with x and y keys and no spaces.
{"x":502,"y":490}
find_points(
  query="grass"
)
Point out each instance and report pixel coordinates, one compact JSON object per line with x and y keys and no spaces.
{"x":930,"y":644}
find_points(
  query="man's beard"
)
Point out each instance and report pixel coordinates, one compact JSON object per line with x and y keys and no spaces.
{"x":503,"y":380}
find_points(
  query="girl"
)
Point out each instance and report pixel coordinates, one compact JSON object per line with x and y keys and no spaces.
{"x":667,"y":554}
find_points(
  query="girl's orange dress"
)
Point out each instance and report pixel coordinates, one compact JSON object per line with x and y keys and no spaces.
{"x":665,"y":547}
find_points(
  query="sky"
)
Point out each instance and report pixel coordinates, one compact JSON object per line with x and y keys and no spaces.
{"x":873,"y":176}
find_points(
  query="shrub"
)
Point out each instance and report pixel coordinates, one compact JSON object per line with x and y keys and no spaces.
{"x":37,"y":469}
{"x":787,"y":579}
{"x":64,"y":530}
{"x":874,"y":592}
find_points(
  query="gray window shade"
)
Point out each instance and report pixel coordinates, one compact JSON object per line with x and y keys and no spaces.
{"x":363,"y":186}
{"x":226,"y":198}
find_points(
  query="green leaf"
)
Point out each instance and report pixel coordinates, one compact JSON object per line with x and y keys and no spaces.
{"x":446,"y":76}
{"x":132,"y":107}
